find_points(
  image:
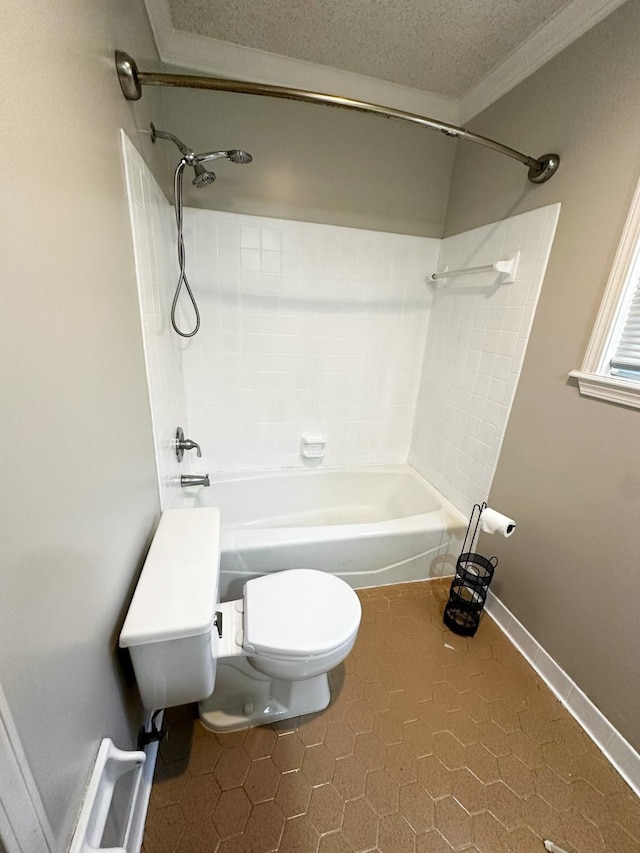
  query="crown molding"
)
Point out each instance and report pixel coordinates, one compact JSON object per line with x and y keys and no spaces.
{"x":566,"y":26}
{"x":226,"y":59}
{"x":234,"y":61}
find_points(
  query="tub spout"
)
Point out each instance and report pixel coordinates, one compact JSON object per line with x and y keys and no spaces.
{"x":187,"y":480}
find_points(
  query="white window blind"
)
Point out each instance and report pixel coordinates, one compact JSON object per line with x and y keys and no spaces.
{"x":625,"y":361}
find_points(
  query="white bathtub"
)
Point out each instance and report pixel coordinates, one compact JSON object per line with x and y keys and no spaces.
{"x":369,"y":525}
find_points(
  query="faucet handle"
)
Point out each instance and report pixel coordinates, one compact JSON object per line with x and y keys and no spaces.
{"x":187,"y":444}
{"x":183,"y":444}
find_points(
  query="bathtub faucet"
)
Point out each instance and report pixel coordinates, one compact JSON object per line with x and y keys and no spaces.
{"x":187,"y":480}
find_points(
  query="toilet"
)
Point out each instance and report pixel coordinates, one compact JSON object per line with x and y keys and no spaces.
{"x":258,"y":659}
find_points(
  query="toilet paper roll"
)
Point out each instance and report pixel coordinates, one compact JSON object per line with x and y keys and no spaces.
{"x":492,"y":521}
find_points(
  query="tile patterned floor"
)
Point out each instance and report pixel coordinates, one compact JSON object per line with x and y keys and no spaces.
{"x":432,"y":743}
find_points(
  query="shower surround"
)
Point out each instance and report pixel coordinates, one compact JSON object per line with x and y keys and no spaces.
{"x":153,"y":231}
{"x":306,"y":330}
{"x":312,"y":329}
{"x":478,"y":334}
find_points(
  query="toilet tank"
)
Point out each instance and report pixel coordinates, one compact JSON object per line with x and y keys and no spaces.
{"x":169,"y":625}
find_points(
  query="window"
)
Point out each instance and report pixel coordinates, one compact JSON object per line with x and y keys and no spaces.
{"x":611,"y":367}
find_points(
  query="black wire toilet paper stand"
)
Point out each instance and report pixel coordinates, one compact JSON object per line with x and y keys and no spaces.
{"x":470,"y":584}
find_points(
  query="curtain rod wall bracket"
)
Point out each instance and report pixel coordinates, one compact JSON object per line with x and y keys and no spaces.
{"x":128,"y":76}
{"x":548,"y":167}
{"x":132,"y":80}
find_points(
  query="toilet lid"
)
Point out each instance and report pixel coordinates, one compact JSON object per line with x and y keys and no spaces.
{"x":299,"y":612}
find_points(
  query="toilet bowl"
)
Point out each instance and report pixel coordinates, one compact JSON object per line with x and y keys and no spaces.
{"x":247,"y":662}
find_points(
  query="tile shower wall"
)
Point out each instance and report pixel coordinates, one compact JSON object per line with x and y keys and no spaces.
{"x":153,"y":231}
{"x":319,"y":330}
{"x":477,"y":338}
{"x":306,"y":330}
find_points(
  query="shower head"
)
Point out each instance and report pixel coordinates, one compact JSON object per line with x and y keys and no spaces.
{"x":239,"y":156}
{"x":236,"y":156}
{"x":202,"y":177}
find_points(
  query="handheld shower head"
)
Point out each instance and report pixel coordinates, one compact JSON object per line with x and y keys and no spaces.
{"x":202,"y":177}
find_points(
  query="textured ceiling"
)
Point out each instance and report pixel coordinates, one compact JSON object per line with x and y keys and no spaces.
{"x":443,"y":46}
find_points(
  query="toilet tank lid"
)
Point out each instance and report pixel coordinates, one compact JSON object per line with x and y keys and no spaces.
{"x":177,"y":591}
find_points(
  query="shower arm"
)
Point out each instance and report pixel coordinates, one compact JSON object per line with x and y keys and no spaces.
{"x":132,"y":80}
{"x":187,"y":153}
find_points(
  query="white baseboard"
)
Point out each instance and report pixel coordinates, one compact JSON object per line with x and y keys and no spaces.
{"x":608,"y":740}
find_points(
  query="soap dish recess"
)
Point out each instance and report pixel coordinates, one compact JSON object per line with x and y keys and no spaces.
{"x":313,"y":446}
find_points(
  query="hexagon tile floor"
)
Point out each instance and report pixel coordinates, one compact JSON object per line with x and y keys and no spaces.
{"x":432,"y":743}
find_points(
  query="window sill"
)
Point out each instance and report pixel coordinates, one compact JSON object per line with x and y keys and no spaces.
{"x":621,"y":391}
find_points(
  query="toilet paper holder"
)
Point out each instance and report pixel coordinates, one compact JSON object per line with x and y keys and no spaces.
{"x":470,"y":584}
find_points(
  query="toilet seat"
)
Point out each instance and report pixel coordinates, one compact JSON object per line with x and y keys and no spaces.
{"x":299,"y":613}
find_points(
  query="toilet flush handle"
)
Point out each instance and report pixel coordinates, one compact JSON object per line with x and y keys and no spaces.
{"x":183,"y":444}
{"x":217,"y":621}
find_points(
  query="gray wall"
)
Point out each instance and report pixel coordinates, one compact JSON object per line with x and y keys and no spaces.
{"x":79,"y":496}
{"x":315,"y":164}
{"x":570,"y":466}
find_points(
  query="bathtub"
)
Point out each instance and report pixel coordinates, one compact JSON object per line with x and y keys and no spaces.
{"x":369,"y":525}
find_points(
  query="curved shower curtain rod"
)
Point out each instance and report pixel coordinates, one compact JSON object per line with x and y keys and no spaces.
{"x":132,"y":80}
